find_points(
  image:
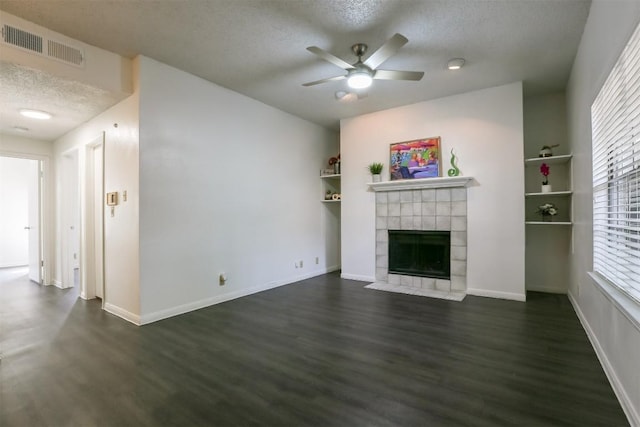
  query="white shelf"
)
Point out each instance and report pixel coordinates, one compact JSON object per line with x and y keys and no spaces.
{"x":563,"y":197}
{"x":548,"y":223}
{"x":331,"y":184}
{"x":553,"y":160}
{"x":552,"y":193}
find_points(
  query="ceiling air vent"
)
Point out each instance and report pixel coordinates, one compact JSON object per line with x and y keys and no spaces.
{"x":36,"y":44}
{"x":23,"y":39}
{"x":64,"y":53}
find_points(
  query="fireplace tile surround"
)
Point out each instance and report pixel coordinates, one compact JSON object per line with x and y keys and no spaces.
{"x":423,"y":204}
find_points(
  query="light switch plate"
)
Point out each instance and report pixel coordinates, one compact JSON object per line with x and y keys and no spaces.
{"x":112,"y":198}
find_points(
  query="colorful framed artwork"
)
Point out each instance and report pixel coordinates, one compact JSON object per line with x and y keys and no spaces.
{"x":419,"y":158}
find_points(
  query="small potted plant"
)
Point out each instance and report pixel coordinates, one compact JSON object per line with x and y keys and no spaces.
{"x":548,"y":211}
{"x":375,"y":169}
{"x":544,"y":170}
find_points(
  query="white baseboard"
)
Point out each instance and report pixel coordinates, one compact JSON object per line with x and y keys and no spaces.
{"x":358,"y":277}
{"x":332,"y":268}
{"x":626,"y":403}
{"x":60,"y":285}
{"x":13,"y":265}
{"x":122,"y":313}
{"x":496,"y":294}
{"x":547,"y":289}
{"x":196,"y":305}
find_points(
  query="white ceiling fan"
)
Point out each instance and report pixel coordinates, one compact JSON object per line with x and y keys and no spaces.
{"x":361,"y":74}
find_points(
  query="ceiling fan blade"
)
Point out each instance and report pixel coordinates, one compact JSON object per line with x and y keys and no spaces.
{"x":329,"y":57}
{"x":330,"y":79}
{"x":398,"y":75}
{"x":386,"y":50}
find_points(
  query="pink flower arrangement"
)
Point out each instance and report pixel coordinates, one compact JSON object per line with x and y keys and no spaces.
{"x":544,"y":170}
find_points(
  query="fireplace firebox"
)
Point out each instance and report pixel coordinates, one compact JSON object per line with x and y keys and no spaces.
{"x":420,"y":253}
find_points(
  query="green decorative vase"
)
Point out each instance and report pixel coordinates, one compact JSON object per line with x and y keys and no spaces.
{"x":454,"y":171}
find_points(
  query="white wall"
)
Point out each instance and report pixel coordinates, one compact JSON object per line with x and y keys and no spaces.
{"x":228,"y":184}
{"x":615,"y":337}
{"x":545,"y":123}
{"x":27,"y":148}
{"x":14,"y":211}
{"x":486,"y":130}
{"x":12,"y":145}
{"x":122,"y":295}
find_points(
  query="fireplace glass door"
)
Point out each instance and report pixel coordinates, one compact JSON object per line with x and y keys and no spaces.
{"x":420,"y":253}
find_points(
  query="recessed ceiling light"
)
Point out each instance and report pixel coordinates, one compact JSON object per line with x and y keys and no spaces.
{"x":35,"y":114}
{"x":21,"y":129}
{"x":455,"y":64}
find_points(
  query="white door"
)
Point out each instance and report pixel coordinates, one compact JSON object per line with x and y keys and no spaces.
{"x":35,"y":252}
{"x":16,"y":179}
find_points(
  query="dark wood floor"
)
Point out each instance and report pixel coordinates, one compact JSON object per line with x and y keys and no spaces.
{"x":322,"y":352}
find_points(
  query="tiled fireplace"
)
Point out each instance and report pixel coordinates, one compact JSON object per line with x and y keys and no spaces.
{"x":433,"y":204}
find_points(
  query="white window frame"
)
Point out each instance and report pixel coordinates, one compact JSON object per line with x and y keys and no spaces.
{"x":615,"y":121}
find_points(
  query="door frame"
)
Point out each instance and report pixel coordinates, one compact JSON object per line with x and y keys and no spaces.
{"x":92,"y":263}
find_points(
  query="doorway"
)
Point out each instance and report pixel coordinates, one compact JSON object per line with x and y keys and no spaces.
{"x":70,"y":244}
{"x":21,"y":224}
{"x":83,"y":219}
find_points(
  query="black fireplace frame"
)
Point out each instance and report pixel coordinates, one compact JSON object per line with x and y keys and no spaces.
{"x":410,"y":262}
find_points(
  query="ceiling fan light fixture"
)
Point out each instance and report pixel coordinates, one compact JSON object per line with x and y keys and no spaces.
{"x":455,"y":64}
{"x":361,"y":74}
{"x":359,"y":80}
{"x":35,"y":114}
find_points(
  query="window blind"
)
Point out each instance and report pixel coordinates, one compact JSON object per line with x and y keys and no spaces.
{"x":615,"y":121}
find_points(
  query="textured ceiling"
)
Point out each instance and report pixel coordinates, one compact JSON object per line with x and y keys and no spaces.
{"x":258,"y":47}
{"x":70,"y":102}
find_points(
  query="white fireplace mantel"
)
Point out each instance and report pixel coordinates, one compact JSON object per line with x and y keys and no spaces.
{"x":424,"y":183}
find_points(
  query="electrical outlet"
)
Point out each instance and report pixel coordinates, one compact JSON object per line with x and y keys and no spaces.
{"x":222,"y":279}
{"x":317,"y":260}
{"x":301,"y":263}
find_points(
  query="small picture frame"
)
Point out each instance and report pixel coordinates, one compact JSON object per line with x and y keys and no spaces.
{"x":418,"y":158}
